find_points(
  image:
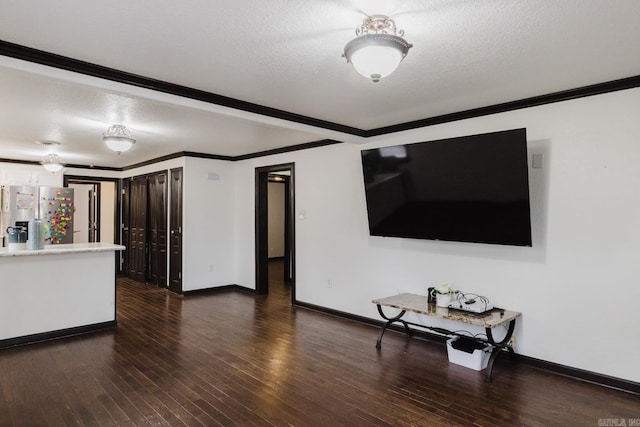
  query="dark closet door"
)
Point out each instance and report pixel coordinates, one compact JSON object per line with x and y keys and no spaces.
{"x":137,"y":228}
{"x":157,"y":220}
{"x":175,"y":225}
{"x":125,"y":225}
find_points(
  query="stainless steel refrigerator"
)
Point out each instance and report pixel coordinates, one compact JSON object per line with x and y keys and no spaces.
{"x":56,"y":211}
{"x":53,"y":205}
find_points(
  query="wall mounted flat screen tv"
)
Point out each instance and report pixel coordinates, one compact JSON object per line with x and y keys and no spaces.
{"x":467,"y":189}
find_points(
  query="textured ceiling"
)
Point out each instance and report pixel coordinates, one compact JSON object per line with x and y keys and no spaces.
{"x":286,"y":55}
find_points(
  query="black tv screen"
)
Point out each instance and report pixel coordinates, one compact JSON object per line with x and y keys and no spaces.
{"x":467,"y":189}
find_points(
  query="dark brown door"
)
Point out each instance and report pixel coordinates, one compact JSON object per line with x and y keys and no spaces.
{"x":138,"y":228}
{"x":175,"y":227}
{"x":125,"y":225}
{"x":157,"y":234}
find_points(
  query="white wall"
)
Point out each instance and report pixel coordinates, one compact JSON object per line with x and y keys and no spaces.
{"x":208,"y":217}
{"x":577,"y":287}
{"x":19,"y":174}
{"x":107,"y":209}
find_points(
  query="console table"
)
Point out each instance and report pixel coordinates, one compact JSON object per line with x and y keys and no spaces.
{"x":420,"y":304}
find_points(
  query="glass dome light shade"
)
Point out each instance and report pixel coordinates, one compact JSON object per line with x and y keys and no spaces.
{"x":118,"y":138}
{"x":375,"y":56}
{"x":118,"y":143}
{"x":52,"y":163}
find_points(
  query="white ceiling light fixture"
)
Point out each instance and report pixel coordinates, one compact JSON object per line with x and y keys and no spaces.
{"x":378,"y":49}
{"x":51,"y":162}
{"x":118,"y":138}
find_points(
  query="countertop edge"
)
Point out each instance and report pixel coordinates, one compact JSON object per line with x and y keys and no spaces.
{"x":63,"y":249}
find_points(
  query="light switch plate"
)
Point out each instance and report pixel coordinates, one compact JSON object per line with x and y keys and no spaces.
{"x":538,"y":161}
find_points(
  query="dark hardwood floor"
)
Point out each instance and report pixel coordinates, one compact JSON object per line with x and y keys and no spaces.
{"x":232,"y":358}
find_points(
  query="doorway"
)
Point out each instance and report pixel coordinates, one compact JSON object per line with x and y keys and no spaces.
{"x":287,"y":175}
{"x":86,"y":218}
{"x":96,"y":218}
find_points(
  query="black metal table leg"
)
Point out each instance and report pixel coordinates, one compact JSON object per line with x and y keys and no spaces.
{"x":390,"y":320}
{"x":498,"y":347}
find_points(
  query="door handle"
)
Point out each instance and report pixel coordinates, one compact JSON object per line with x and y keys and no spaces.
{"x":172,"y":231}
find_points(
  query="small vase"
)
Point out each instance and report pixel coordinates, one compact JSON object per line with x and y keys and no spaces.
{"x":443,"y":300}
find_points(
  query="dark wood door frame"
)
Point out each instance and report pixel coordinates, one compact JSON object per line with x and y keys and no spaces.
{"x":261,"y":224}
{"x":288,"y":230}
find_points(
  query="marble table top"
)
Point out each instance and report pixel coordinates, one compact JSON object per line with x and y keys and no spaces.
{"x":419,"y":304}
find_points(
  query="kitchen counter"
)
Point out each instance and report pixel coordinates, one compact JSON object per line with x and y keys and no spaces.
{"x":64,"y":249}
{"x":59,"y":291}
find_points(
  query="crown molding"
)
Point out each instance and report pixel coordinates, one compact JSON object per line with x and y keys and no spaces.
{"x":41,"y":57}
{"x":62,"y":62}
{"x":193,"y":154}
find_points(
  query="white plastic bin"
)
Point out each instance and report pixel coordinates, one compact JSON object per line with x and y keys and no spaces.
{"x":475,"y":358}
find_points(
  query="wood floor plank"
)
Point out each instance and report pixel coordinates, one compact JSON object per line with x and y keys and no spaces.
{"x":233,"y":358}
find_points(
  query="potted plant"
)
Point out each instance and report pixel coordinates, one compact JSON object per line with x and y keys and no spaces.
{"x":443,"y":294}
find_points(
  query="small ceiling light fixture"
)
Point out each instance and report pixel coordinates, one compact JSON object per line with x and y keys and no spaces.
{"x":51,"y":162}
{"x":378,"y":49}
{"x":118,"y":138}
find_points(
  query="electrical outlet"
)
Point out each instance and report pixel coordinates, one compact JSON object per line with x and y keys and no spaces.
{"x":329,"y":284}
{"x":512,"y":342}
{"x":210,"y":268}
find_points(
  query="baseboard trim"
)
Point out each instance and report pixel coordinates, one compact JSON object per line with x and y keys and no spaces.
{"x":217,"y":289}
{"x":54,"y":335}
{"x":582,"y":375}
{"x":417,"y":333}
{"x":555,"y":368}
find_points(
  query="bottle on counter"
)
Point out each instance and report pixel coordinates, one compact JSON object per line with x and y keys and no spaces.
{"x":35,"y":240}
